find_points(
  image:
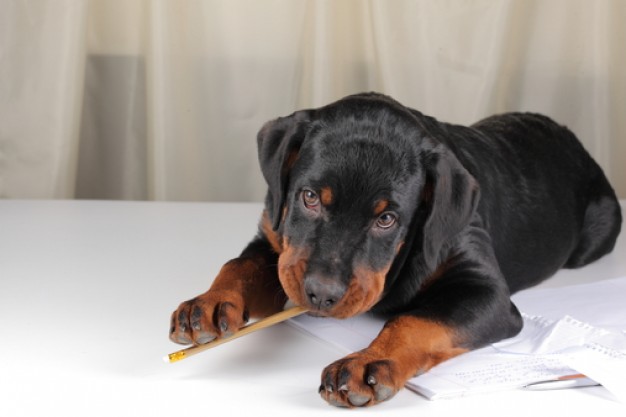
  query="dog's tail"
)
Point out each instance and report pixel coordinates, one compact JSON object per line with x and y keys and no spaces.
{"x":602,"y":222}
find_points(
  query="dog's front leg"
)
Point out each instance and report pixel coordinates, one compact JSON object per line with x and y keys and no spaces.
{"x":245,"y":286}
{"x":467,"y":307}
{"x":405,"y":347}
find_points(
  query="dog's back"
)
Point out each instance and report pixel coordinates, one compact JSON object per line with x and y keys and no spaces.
{"x":546,"y":203}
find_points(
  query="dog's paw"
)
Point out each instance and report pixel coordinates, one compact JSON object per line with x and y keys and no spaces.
{"x":359,"y":380}
{"x":211,"y":315}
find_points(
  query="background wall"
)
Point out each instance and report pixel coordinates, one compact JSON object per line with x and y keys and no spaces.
{"x":157,"y":99}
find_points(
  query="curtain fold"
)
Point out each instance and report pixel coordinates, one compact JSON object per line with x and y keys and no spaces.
{"x":155,"y":99}
{"x":42,"y":67}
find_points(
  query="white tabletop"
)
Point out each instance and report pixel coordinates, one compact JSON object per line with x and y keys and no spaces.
{"x":86,"y":292}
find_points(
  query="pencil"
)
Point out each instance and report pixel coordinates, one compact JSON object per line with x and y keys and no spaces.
{"x":253,"y":327}
{"x":567,"y":381}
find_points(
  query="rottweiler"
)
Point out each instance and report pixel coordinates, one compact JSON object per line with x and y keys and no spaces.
{"x":374,"y":206}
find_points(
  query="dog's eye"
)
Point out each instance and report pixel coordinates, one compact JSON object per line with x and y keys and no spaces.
{"x":310,"y":199}
{"x":386,"y":220}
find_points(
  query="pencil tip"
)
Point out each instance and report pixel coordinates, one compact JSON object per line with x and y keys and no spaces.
{"x":175,"y":357}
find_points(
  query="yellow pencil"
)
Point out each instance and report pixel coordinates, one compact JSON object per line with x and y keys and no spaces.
{"x":253,"y":327}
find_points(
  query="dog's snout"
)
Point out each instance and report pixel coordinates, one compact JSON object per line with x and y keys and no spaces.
{"x":322,"y":292}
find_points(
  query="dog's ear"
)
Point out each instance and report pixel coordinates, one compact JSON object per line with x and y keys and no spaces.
{"x":451,"y":195}
{"x":278,"y":144}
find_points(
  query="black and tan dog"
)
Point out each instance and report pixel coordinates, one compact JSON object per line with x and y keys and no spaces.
{"x":373,"y":206}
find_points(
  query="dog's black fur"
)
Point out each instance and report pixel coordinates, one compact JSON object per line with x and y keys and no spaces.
{"x":375,"y":206}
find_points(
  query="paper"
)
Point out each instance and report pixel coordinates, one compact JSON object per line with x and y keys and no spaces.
{"x":569,"y":330}
{"x":487,"y":371}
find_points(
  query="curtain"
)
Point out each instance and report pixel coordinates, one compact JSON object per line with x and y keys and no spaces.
{"x":162,"y":100}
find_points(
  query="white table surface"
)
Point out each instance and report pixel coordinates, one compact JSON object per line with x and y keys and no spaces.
{"x":86,"y":292}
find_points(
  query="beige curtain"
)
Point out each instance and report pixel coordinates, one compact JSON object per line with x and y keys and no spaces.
{"x":159,"y":99}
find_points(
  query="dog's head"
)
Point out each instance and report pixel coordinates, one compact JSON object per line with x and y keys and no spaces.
{"x":354,"y":188}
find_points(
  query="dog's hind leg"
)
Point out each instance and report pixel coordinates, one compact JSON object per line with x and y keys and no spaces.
{"x":601,"y":224}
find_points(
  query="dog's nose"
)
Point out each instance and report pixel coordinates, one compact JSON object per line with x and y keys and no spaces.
{"x":323,"y":293}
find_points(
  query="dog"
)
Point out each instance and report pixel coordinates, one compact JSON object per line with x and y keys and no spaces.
{"x":373,"y":206}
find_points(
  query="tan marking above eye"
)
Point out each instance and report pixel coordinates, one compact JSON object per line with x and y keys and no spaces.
{"x":326,"y":196}
{"x":380,"y":207}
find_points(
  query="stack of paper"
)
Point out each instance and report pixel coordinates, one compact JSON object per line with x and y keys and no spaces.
{"x":572,"y":330}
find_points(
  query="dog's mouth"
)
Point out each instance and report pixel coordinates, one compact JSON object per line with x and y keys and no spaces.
{"x":317,"y":313}
{"x":341,"y":311}
{"x":325,"y":300}
{"x":326,"y":296}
